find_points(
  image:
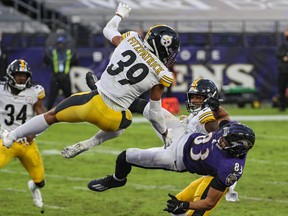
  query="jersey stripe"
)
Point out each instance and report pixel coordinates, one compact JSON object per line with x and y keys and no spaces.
{"x":41,"y":94}
{"x":166,"y":81}
{"x":125,"y":35}
{"x":206,"y":117}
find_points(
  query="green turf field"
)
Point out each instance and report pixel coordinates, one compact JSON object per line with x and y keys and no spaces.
{"x":263,"y":188}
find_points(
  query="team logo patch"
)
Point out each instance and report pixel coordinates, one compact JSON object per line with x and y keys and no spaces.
{"x":231,"y":178}
{"x":29,"y":99}
{"x":166,"y":40}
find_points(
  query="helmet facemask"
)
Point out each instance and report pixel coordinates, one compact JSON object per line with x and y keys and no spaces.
{"x":200,"y":87}
{"x":12,"y":82}
{"x":191,"y":105}
{"x":19,"y":66}
{"x":237,"y":139}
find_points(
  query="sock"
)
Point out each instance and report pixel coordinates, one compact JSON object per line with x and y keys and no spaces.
{"x":34,"y":187}
{"x":122,"y":168}
{"x":102,"y":136}
{"x":35,"y":126}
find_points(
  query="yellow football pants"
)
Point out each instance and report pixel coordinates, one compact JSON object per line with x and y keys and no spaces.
{"x":194,"y":192}
{"x":89,"y":107}
{"x":28,"y":155}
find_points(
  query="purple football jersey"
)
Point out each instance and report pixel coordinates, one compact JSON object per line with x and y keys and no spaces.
{"x":203,"y":156}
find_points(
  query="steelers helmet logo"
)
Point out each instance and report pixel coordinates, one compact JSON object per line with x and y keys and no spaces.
{"x":166,"y":40}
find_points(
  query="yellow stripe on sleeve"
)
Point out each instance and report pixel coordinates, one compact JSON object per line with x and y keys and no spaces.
{"x":206,"y":117}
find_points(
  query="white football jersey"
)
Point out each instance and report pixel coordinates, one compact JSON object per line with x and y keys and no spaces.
{"x":196,"y":123}
{"x":15,"y":110}
{"x":132,"y":70}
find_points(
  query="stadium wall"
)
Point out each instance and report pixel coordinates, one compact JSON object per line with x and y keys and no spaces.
{"x":247,"y":67}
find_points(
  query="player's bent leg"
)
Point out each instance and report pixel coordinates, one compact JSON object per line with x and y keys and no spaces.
{"x":36,"y":125}
{"x":33,"y":163}
{"x":152,"y":158}
{"x":122,"y":169}
{"x":201,"y":193}
{"x":90,"y":107}
{"x":82,"y":146}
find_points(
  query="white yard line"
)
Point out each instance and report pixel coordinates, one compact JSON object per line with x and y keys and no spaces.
{"x":236,"y":118}
{"x":137,"y":120}
{"x":136,"y":186}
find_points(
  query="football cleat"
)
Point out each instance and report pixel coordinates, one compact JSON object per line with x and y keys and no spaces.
{"x":106,"y":183}
{"x":36,"y":195}
{"x":7,"y":140}
{"x":232,"y":196}
{"x":74,"y":150}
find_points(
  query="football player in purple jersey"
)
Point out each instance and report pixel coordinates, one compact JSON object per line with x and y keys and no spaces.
{"x":220,"y":154}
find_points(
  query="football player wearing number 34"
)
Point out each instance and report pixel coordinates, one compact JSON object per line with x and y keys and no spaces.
{"x":20,"y":100}
{"x":135,"y":67}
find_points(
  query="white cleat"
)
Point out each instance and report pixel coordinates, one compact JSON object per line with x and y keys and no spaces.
{"x":231,"y":196}
{"x":6,"y":139}
{"x":36,"y":194}
{"x":74,"y":150}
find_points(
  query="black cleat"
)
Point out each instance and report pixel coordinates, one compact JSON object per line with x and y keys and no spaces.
{"x":106,"y":183}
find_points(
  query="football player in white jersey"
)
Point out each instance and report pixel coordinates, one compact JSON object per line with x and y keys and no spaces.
{"x":135,"y":67}
{"x":202,"y":93}
{"x":200,"y":120}
{"x":19,"y":101}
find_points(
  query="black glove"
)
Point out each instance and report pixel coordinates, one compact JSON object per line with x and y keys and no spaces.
{"x":211,"y":102}
{"x":91,"y":80}
{"x":176,"y":206}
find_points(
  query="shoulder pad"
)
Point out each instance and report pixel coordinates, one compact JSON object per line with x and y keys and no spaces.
{"x":205,"y":115}
{"x":127,"y":34}
{"x":40,"y":91}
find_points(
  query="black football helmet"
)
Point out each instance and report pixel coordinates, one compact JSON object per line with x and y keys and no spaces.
{"x":164,"y":42}
{"x":201,"y":87}
{"x":239,"y":137}
{"x":19,"y":66}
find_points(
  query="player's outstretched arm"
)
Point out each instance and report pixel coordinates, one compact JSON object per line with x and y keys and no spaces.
{"x":110,"y":31}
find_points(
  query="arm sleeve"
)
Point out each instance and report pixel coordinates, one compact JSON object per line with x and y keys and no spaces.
{"x":156,"y":116}
{"x":111,"y":28}
{"x":216,"y":184}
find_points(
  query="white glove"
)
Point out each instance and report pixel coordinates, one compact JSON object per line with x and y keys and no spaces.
{"x":123,"y":10}
{"x":167,"y":138}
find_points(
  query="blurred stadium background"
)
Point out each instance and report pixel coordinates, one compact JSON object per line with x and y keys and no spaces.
{"x":232,"y":42}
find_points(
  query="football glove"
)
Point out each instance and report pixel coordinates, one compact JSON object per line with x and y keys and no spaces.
{"x":91,"y":80}
{"x":211,"y":102}
{"x":123,"y":10}
{"x":167,"y":138}
{"x":176,"y":206}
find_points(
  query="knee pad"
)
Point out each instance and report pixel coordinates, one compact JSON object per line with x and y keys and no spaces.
{"x":125,"y":122}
